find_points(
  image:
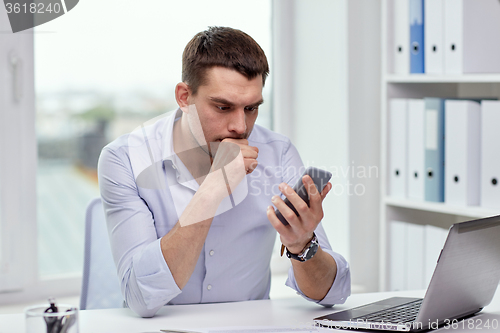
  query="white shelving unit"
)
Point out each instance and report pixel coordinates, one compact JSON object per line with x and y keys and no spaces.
{"x":423,"y":78}
{"x":420,"y":86}
{"x":442,"y":208}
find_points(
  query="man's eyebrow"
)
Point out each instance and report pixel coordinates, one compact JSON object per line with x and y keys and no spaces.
{"x":221,"y":101}
{"x":226,"y":102}
{"x":258,"y":103}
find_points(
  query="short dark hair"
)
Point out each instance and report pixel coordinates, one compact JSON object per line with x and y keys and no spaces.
{"x":224,"y":47}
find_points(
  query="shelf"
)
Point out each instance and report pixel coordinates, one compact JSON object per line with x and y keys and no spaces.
{"x":469,"y":211}
{"x":418,"y":86}
{"x":422,"y":78}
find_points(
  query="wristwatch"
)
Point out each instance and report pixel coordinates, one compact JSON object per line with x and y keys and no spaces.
{"x":307,"y":253}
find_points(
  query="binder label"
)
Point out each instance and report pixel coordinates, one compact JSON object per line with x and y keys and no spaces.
{"x":431,"y":129}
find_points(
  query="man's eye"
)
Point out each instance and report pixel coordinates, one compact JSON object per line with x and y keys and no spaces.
{"x":251,"y":108}
{"x":223,"y":108}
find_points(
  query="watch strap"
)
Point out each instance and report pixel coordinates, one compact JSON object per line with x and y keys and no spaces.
{"x":307,"y":253}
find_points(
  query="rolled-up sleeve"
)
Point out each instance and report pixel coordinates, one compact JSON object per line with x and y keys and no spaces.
{"x":146,"y":281}
{"x":341,"y":287}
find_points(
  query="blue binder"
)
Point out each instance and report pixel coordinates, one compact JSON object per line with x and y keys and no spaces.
{"x":417,"y":36}
{"x":434,"y":149}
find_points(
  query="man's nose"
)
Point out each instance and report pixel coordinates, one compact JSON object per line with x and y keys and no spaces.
{"x":238,"y":122}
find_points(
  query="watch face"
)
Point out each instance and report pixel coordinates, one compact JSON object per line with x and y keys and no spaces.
{"x":309,"y":252}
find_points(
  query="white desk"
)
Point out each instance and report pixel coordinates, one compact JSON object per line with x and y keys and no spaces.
{"x":294,"y":312}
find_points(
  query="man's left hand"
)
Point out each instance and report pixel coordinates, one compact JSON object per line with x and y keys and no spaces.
{"x":299,"y":232}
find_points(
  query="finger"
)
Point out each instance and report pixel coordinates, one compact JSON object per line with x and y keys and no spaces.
{"x":286,"y":211}
{"x":314,"y":195}
{"x":242,"y":142}
{"x":250,"y":165}
{"x":310,"y":186}
{"x":249,"y":153}
{"x":325,"y":191}
{"x":276,"y":223}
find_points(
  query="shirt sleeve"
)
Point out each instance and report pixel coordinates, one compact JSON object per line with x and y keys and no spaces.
{"x":146,"y":281}
{"x":341,"y":287}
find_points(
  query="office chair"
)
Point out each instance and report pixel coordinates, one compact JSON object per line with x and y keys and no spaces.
{"x":100,"y":285}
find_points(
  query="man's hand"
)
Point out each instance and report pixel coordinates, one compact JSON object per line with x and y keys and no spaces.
{"x":234,"y":159}
{"x":249,"y":153}
{"x":300,"y":230}
{"x":314,"y":277}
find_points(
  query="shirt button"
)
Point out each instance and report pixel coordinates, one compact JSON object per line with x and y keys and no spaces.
{"x":209,"y":287}
{"x":212,"y":252}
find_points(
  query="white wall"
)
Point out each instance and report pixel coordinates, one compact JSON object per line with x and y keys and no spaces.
{"x":364,"y":35}
{"x":327,"y":100}
{"x":310,"y":90}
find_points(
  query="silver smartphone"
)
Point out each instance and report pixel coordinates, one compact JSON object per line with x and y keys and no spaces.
{"x":320,"y":178}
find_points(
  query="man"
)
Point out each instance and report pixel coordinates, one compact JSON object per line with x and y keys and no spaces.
{"x":185,"y":224}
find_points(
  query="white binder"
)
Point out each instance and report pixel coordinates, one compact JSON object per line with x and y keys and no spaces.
{"x":414,"y":256}
{"x":416,"y":149}
{"x":453,"y":25}
{"x":481,"y":36}
{"x":490,"y":159}
{"x":401,"y":29}
{"x":434,"y":39}
{"x":434,"y":149}
{"x":472,"y":38}
{"x":397,"y":147}
{"x":434,"y":239}
{"x":397,"y":255}
{"x":462,"y":152}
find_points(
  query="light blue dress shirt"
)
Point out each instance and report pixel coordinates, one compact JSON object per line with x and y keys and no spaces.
{"x":234,"y":264}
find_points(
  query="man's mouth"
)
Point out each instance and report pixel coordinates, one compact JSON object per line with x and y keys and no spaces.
{"x":234,"y":138}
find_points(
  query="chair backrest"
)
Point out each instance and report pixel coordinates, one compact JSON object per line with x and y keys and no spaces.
{"x":100,"y":285}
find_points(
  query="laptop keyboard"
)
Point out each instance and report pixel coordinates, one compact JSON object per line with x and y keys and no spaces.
{"x":405,"y":313}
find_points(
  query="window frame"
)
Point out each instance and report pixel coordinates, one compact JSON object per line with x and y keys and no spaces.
{"x":18,"y":212}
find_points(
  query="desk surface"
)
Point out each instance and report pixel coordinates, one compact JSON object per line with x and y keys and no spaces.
{"x":293,"y":312}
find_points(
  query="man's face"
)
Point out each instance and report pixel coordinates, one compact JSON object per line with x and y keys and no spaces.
{"x":227,"y":105}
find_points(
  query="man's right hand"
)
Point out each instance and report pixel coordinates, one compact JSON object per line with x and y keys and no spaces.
{"x":234,"y":159}
{"x":249,"y":153}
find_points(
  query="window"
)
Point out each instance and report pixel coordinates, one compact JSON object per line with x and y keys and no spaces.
{"x":98,"y":71}
{"x":101,"y":70}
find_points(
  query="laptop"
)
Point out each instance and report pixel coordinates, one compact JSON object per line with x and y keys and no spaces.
{"x":464,"y":281}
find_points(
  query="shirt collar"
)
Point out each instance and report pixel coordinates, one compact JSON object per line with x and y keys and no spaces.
{"x":169,"y":156}
{"x":168,"y":153}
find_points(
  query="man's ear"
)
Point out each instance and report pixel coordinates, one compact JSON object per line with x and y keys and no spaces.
{"x":182,"y":94}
